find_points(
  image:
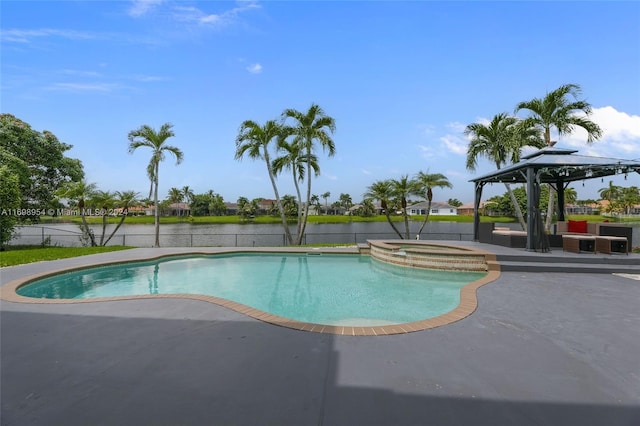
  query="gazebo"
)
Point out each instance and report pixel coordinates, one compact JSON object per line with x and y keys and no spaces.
{"x":557,"y":167}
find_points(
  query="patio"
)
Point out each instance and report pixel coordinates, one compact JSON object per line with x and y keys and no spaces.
{"x":542,"y":348}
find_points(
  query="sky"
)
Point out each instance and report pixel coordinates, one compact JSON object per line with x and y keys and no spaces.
{"x":402,"y":79}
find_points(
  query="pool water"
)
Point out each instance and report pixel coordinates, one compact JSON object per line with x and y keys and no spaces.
{"x":323,"y":289}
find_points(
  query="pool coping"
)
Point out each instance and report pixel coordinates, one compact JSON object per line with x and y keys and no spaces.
{"x":467,"y":305}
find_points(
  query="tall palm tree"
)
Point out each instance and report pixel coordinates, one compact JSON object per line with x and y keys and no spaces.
{"x":611,"y":193}
{"x":326,"y":196}
{"x":345,"y":200}
{"x":315,"y":202}
{"x":255,"y":140}
{"x":124,"y":200}
{"x":146,"y":136}
{"x":401,"y":189}
{"x":311,"y":127}
{"x":629,"y":197}
{"x":557,"y":110}
{"x":187,"y":194}
{"x":425,"y":182}
{"x":292,"y":159}
{"x":501,"y":141}
{"x":381,"y":190}
{"x":80,"y":192}
{"x":175,"y":195}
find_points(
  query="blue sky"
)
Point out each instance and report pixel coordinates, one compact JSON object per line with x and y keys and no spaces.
{"x":402,"y":80}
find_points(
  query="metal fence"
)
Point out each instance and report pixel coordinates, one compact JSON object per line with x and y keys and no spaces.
{"x":47,"y":236}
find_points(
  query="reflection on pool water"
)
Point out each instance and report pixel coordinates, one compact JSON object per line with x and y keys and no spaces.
{"x":323,"y":289}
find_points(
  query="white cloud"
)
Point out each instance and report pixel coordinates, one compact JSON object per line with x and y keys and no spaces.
{"x":142,"y":7}
{"x":190,"y":14}
{"x":620,"y":135}
{"x":254,"y":68}
{"x":455,"y":144}
{"x":365,"y":172}
{"x":427,"y":129}
{"x":147,"y":78}
{"x":85,"y":87}
{"x":81,"y":73}
{"x":27,"y":36}
{"x":456,"y":126}
{"x":426,"y":151}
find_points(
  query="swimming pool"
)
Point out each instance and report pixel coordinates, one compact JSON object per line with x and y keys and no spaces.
{"x":326,"y":289}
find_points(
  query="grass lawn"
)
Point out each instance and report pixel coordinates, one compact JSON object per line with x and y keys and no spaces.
{"x":21,"y":255}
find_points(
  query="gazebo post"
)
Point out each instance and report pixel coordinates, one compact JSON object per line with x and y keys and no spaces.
{"x":476,"y":211}
{"x":530,"y":209}
{"x":560,"y":190}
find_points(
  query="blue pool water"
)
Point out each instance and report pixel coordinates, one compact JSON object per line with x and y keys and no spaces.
{"x":321,"y":289}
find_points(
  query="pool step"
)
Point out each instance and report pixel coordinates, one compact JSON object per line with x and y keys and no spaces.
{"x":583,"y":264}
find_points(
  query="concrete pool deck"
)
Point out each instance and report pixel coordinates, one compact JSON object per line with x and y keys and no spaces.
{"x":541,"y":348}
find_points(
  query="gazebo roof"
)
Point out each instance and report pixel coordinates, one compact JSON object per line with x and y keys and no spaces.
{"x":558,"y":164}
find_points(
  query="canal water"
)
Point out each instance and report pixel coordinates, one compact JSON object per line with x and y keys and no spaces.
{"x":238,"y":235}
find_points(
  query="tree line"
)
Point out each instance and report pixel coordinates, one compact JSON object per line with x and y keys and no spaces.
{"x":35,"y":173}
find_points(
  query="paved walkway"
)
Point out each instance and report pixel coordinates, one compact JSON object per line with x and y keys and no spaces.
{"x":541,"y":349}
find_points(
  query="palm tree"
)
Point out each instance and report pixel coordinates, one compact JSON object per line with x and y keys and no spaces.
{"x":104,"y":200}
{"x":309,"y":127}
{"x":425,"y":182}
{"x":145,"y":136}
{"x":244,"y":208}
{"x":187,"y":194}
{"x":124,"y":200}
{"x":345,"y":201}
{"x":570,"y":197}
{"x":401,"y":189}
{"x":290,"y":205}
{"x":326,"y":196}
{"x":628,"y":198}
{"x":81,"y":192}
{"x":555,"y":110}
{"x":381,"y":191}
{"x":610,"y":193}
{"x":175,"y":195}
{"x":315,"y":202}
{"x":254,"y":140}
{"x":501,"y":141}
{"x":293,"y":160}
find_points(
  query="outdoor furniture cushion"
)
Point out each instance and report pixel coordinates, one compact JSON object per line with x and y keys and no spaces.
{"x":577,"y":226}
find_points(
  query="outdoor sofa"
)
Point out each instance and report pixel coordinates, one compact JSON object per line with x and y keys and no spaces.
{"x":579,"y":236}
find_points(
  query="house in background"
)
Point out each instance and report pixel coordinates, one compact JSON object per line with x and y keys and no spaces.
{"x":467,"y":209}
{"x":437,"y":208}
{"x":179,"y":209}
{"x":593,"y":208}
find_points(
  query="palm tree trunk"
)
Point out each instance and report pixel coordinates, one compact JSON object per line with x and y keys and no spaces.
{"x":550,"y":209}
{"x":549,"y":218}
{"x":306,"y":207}
{"x":299,"y":224}
{"x":406,"y":223}
{"x":85,"y":228}
{"x":516,"y":207}
{"x":426,"y":219}
{"x":157,"y":209}
{"x":104,"y":227}
{"x":386,"y":213}
{"x":283,"y":217}
{"x":116,"y":230}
